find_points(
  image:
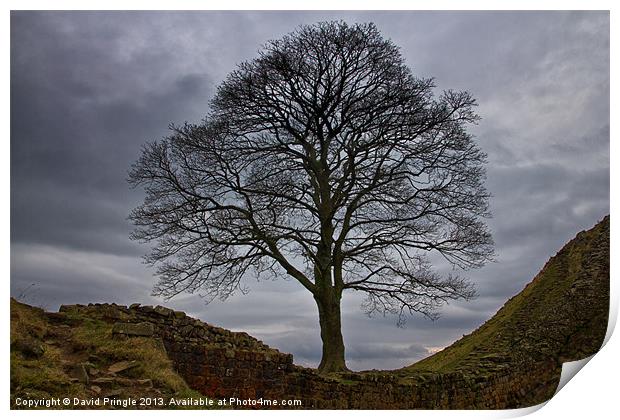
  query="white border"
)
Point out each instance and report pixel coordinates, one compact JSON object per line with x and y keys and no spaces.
{"x":593,"y":393}
{"x":310,"y":5}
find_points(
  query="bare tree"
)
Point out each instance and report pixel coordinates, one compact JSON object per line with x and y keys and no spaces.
{"x":326,"y":160}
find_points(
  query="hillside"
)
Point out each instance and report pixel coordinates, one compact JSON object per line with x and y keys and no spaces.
{"x":55,"y":354}
{"x":561,"y":314}
{"x":513,"y":360}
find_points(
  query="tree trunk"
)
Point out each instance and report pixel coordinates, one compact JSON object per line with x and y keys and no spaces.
{"x":331,"y":334}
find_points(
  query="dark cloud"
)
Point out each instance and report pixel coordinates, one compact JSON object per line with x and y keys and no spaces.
{"x":89,"y":88}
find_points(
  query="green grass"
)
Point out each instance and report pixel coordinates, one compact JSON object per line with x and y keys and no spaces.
{"x":95,"y":337}
{"x":84,"y":339}
{"x":41,"y":377}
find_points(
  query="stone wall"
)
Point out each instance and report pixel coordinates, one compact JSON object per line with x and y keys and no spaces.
{"x":224,"y":364}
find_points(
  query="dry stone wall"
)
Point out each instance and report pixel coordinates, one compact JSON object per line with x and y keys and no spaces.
{"x":224,"y":364}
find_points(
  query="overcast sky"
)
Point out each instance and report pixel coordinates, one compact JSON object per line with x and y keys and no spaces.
{"x":89,"y":88}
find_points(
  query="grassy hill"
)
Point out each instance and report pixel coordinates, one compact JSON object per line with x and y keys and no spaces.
{"x":55,"y":354}
{"x":561,"y":315}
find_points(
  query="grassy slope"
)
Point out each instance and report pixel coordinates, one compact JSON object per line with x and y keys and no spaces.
{"x":79,"y":340}
{"x":36,"y":377}
{"x":561,"y":314}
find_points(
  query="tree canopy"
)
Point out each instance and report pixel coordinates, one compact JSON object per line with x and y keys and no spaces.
{"x":327,"y":160}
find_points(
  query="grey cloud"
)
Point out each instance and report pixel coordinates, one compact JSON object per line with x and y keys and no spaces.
{"x":70,"y":276}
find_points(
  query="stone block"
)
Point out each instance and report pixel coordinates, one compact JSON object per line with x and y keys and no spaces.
{"x":165,"y":312}
{"x":123,"y":366}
